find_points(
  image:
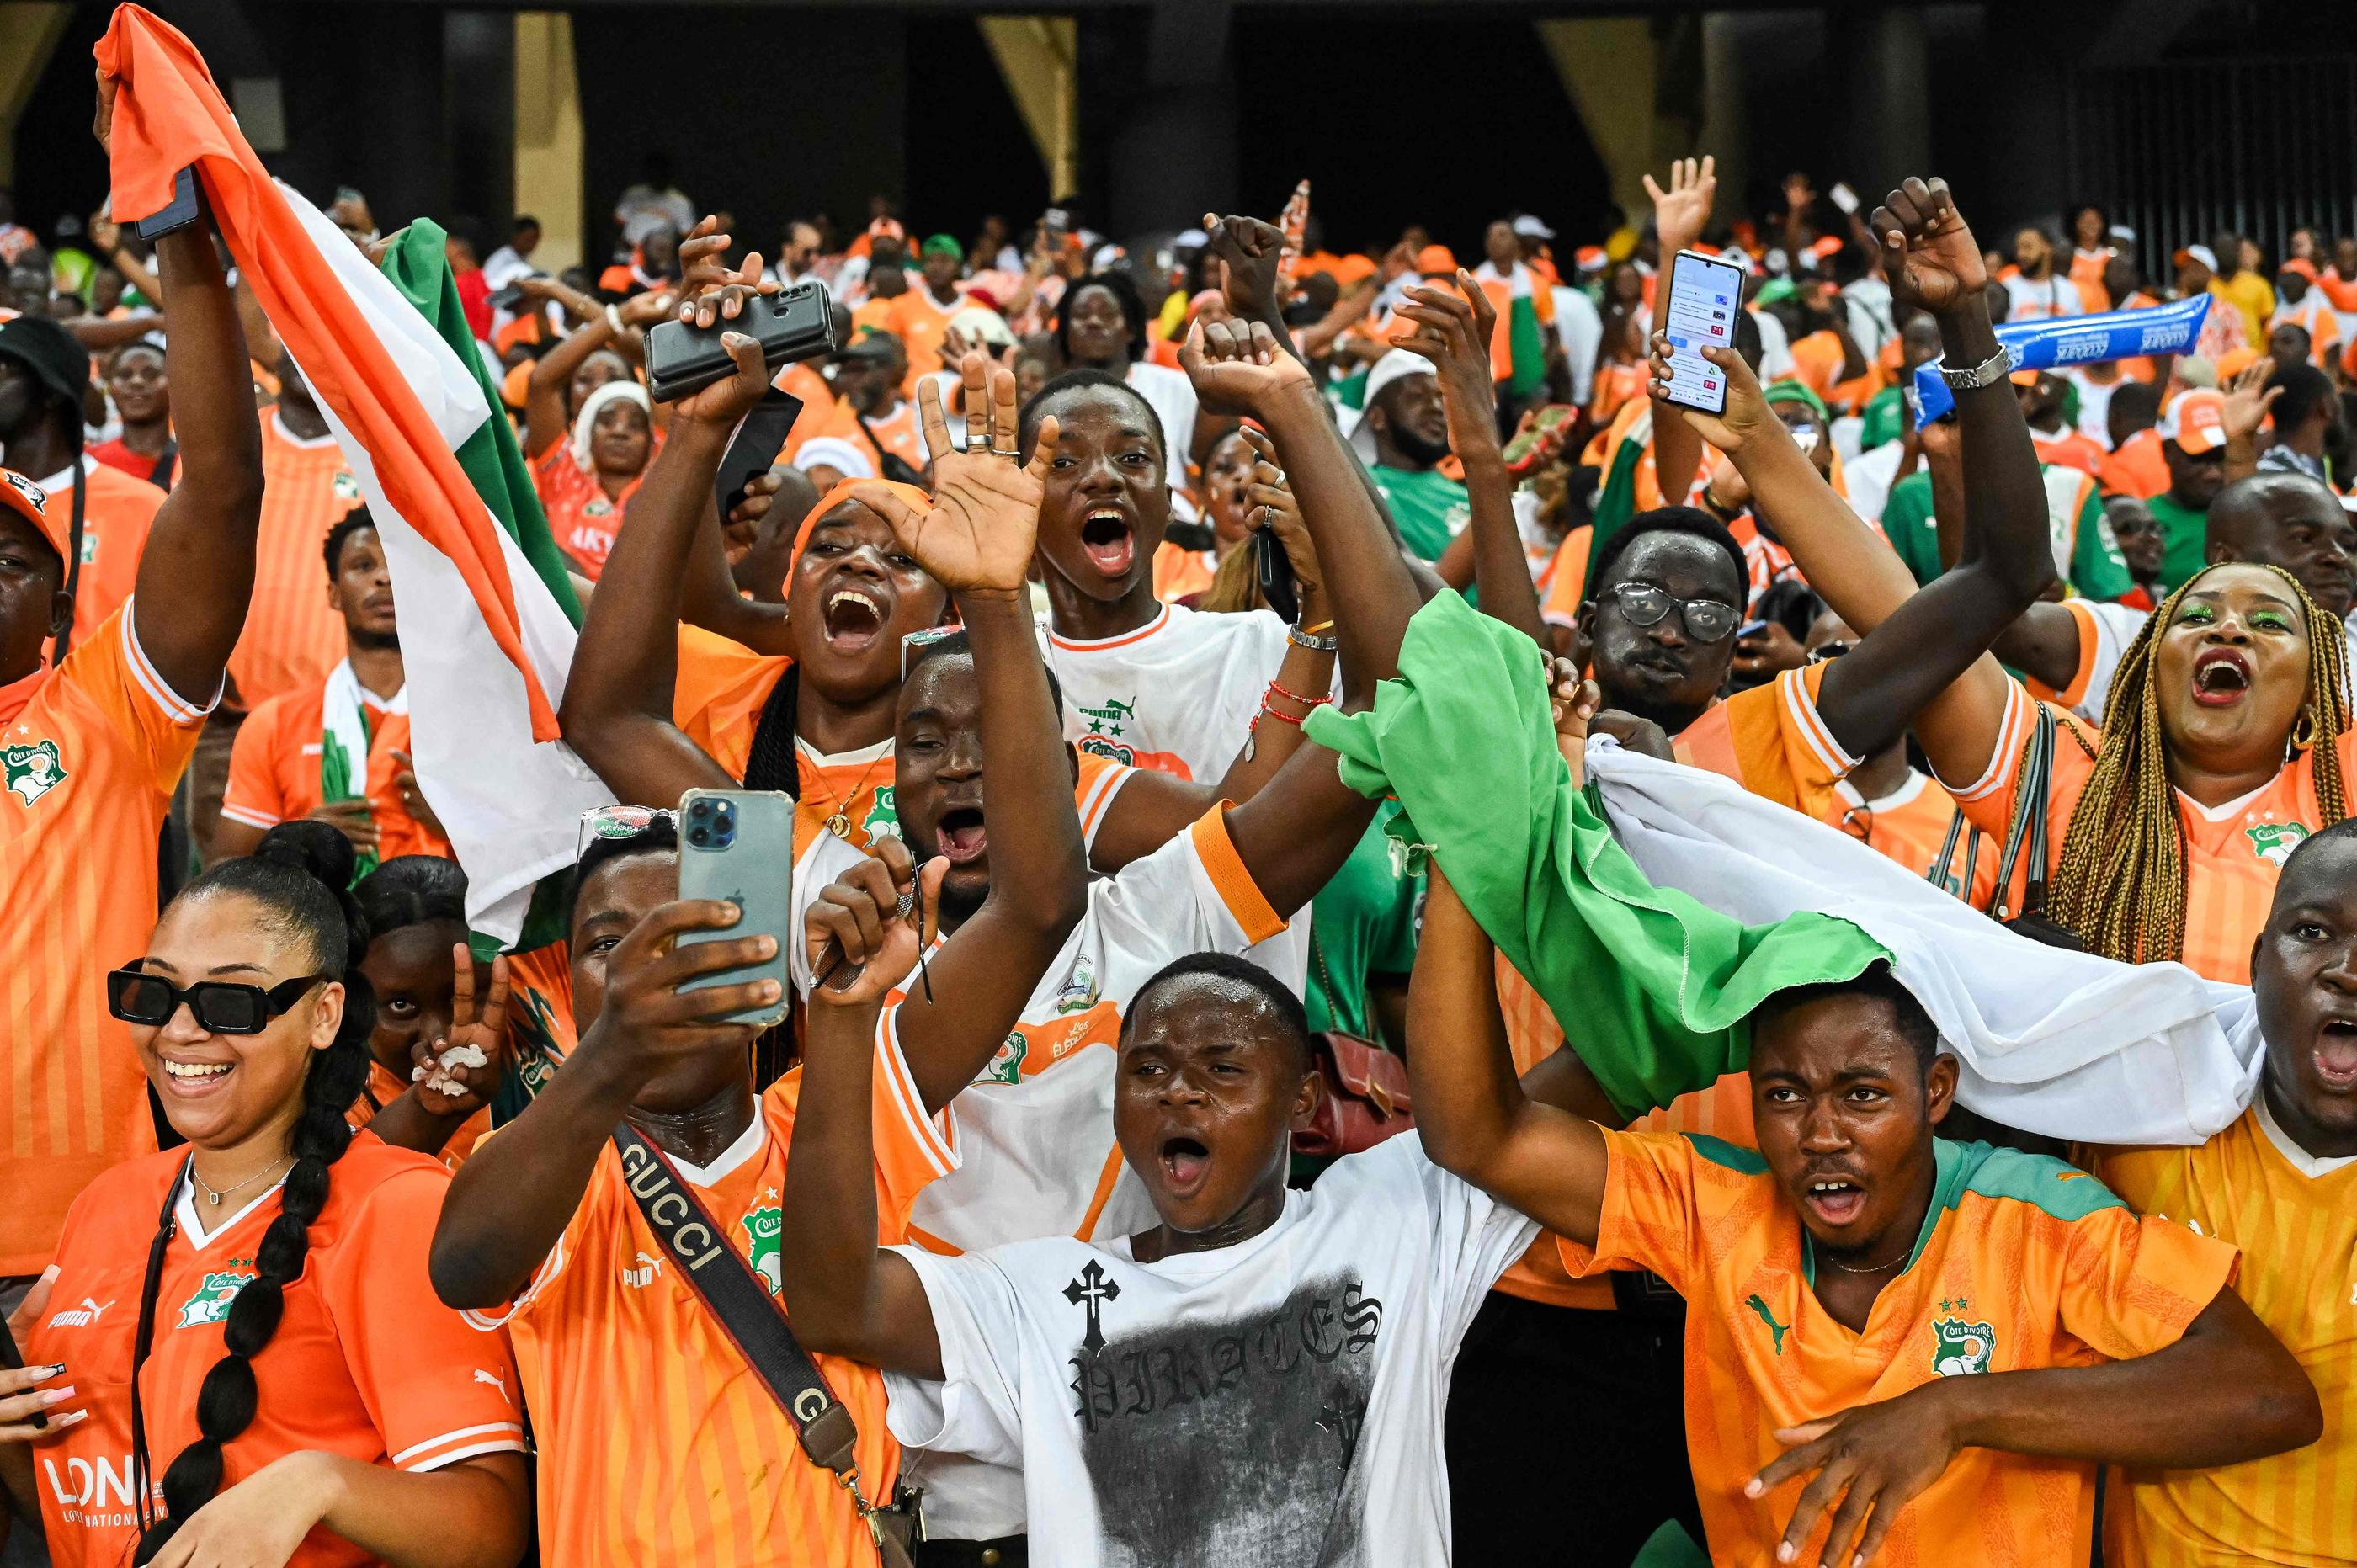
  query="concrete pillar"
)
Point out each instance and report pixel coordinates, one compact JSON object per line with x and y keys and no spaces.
{"x":1725,"y":111}
{"x":548,"y":139}
{"x":1174,"y":150}
{"x":1039,"y":59}
{"x":478,"y":75}
{"x":1609,"y":68}
{"x":29,"y":34}
{"x":1889,"y":110}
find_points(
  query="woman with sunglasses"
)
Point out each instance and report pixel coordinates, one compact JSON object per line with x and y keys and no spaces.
{"x":239,"y":1358}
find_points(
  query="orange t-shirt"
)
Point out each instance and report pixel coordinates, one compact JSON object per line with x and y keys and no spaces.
{"x":582,"y":518}
{"x":2071,"y":450}
{"x":116,"y":516}
{"x":2232,"y":856}
{"x":2314,"y":313}
{"x":657,"y":1442}
{"x":273,"y":771}
{"x":2022,"y":1263}
{"x":1345,"y":270}
{"x":90,"y":754}
{"x":1910,"y":826}
{"x":898,"y":431}
{"x":919,"y":321}
{"x":1179,"y":572}
{"x":2138,"y":468}
{"x":365,"y":1364}
{"x":291,"y":637}
{"x":1566,"y":577}
{"x":818,"y":403}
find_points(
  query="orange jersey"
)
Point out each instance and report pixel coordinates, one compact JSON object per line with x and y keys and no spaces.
{"x":2315,"y":314}
{"x":2022,"y":1263}
{"x":2252,"y":1186}
{"x":657,"y":1442}
{"x":90,"y":752}
{"x":1617,"y":387}
{"x":898,"y":432}
{"x":365,"y":1364}
{"x":921,"y":321}
{"x":291,"y":637}
{"x":2070,"y":449}
{"x":385,"y":1086}
{"x":116,"y":515}
{"x":2138,"y":468}
{"x":1910,"y":826}
{"x":2233,"y":854}
{"x":1771,"y":740}
{"x":582,"y":518}
{"x":1566,"y":577}
{"x":818,"y":403}
{"x":273,"y":771}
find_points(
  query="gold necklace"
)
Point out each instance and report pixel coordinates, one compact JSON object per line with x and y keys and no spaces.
{"x":213,"y":1196}
{"x":838,"y":821}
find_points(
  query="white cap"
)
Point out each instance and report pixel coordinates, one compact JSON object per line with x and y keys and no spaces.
{"x":1392,"y":367}
{"x":2203,"y":254}
{"x":983,"y":325}
{"x":1530,"y":227}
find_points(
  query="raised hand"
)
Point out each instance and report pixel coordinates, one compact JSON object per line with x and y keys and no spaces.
{"x":1238,"y":369}
{"x":413,"y":798}
{"x":1453,"y":332}
{"x":1279,"y":511}
{"x":643,"y":310}
{"x":103,"y":122}
{"x":649,"y":1022}
{"x":1293,"y":222}
{"x":1747,"y":418}
{"x":863,"y":933}
{"x":2249,"y":399}
{"x":458,"y":1074}
{"x":1681,"y":212}
{"x":1248,"y":251}
{"x":978,"y":534}
{"x":729,"y":399}
{"x":1928,"y":254}
{"x":22,"y":1397}
{"x":1798,"y":192}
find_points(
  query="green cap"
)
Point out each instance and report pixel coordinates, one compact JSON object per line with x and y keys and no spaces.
{"x":943,"y":245}
{"x":1794,"y":392}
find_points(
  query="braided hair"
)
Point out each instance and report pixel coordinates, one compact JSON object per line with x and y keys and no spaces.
{"x":297,"y":875}
{"x":2120,"y":880}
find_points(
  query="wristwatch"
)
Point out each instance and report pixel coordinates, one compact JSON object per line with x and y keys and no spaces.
{"x":1987,"y":373}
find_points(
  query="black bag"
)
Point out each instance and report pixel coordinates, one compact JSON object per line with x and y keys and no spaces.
{"x":2031,"y":797}
{"x":888,"y":463}
{"x":726,"y":1285}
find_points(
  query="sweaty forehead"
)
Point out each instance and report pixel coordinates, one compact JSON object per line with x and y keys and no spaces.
{"x":944,"y":684}
{"x":629,"y":887}
{"x":1197,"y":1011}
{"x":2321,"y":876}
{"x":1683,"y":564}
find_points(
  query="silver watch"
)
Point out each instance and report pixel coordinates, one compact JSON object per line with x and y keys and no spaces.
{"x":1987,"y":373}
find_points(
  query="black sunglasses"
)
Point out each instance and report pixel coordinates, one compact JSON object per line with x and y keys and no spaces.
{"x":219,"y":1006}
{"x":1644,"y":604}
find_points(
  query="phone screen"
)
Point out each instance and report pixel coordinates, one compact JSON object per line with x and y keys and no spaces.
{"x":1700,"y":313}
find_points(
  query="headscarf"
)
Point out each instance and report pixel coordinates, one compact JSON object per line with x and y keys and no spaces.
{"x":584,"y":424}
{"x":844,"y":491}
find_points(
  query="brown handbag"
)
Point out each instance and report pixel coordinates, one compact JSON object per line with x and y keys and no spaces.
{"x":1366,"y":1098}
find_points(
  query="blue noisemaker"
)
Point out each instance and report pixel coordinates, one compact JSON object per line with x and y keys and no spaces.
{"x":2064,"y":340}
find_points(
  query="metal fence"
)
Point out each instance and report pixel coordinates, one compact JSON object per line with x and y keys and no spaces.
{"x":2181,"y":151}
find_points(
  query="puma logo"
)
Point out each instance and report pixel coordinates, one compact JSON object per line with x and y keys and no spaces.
{"x":1778,"y":1329}
{"x":82,"y":1316}
{"x":496,"y":1381}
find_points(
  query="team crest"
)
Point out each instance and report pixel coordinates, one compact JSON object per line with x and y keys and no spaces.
{"x":883,"y":819}
{"x":32,"y":770}
{"x":211,"y":1301}
{"x":1080,"y":992}
{"x":347,"y":487}
{"x":601,"y":507}
{"x":2273,"y":842}
{"x":1007,"y":1066}
{"x":1959,"y":1347}
{"x":89,"y":548}
{"x":761,"y":1227}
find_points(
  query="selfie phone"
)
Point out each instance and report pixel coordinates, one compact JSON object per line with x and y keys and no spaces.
{"x":1522,"y":450}
{"x":795,"y":323}
{"x":1275,"y":569}
{"x":512,"y":296}
{"x":738,"y":845}
{"x":1705,"y":299}
{"x":1844,"y":198}
{"x":754,"y":450}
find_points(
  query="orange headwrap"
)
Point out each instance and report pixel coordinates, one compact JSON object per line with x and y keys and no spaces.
{"x":844,"y":491}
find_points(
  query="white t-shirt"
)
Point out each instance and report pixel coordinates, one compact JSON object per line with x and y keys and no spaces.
{"x":2095,"y":406}
{"x":1869,"y":477}
{"x":2037,"y":299}
{"x":1172,"y":396}
{"x":1035,"y":1131}
{"x":1579,"y":329}
{"x":1278,"y":1401}
{"x":1178,"y":694}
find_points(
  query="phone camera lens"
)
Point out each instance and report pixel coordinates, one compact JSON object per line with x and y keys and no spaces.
{"x":699,"y":836}
{"x":725,"y":837}
{"x":700,"y":808}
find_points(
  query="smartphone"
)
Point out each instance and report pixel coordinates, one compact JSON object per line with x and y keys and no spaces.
{"x":1274,"y":568}
{"x":1844,"y":198}
{"x":1704,"y":298}
{"x":738,"y":845}
{"x":512,"y":296}
{"x":795,"y":323}
{"x":754,"y":450}
{"x":1522,"y":450}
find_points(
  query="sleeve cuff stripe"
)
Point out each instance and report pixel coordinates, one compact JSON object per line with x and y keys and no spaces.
{"x":1812,"y":724}
{"x":495,"y":1446}
{"x":934,"y":1139}
{"x":178,"y":709}
{"x":1246,"y":904}
{"x":2000,"y":771}
{"x":251,"y":818}
{"x":509,"y":1433}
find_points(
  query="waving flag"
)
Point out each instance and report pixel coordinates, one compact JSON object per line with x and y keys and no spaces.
{"x":487,"y":617}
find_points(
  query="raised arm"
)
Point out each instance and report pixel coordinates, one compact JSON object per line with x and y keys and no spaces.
{"x":196,"y":574}
{"x":512,"y":1198}
{"x":617,"y":711}
{"x":1475,"y":1119}
{"x":2226,"y":1392}
{"x":1453,"y":332}
{"x":614,"y":327}
{"x":1680,"y":214}
{"x":845,"y":1296}
{"x":2043,"y":643}
{"x":977,"y":541}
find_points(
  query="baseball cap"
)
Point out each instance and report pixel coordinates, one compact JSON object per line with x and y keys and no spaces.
{"x":1590,"y":258}
{"x":1431,"y":260}
{"x":60,"y":364}
{"x":2196,"y":421}
{"x":982,"y":326}
{"x":1530,"y":226}
{"x":944,"y":245}
{"x":1392,"y":367}
{"x":2203,"y":254}
{"x":29,"y":502}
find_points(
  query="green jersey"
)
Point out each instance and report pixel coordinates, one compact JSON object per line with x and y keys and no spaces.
{"x":1430,"y":508}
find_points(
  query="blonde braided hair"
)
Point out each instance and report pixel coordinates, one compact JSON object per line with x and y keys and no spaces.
{"x":2120,"y":881}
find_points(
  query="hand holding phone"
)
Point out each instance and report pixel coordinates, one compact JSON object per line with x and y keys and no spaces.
{"x":1699,"y":311}
{"x":1844,"y":198}
{"x":794,"y":324}
{"x":737,"y":846}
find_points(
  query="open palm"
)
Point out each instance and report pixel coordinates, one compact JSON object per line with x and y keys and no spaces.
{"x":979,"y":531}
{"x":1681,"y":212}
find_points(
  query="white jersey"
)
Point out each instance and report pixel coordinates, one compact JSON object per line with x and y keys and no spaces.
{"x":1178,"y":694}
{"x":2037,"y":299}
{"x":2105,"y":629}
{"x":1035,"y":1131}
{"x":1172,"y":397}
{"x":1869,"y":477}
{"x":1276,"y":1402}
{"x":2095,"y":405}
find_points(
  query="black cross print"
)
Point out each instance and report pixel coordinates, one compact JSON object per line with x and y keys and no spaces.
{"x":1091,"y":1290}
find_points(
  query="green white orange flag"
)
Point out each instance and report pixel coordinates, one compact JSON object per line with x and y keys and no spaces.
{"x":487,"y":617}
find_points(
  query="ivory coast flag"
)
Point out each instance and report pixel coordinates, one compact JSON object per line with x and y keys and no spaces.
{"x":487,"y":617}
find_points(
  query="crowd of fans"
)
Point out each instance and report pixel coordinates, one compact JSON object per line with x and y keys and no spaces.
{"x":1194,"y":1156}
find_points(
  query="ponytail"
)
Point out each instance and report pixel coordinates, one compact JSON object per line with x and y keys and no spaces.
{"x":299,"y":874}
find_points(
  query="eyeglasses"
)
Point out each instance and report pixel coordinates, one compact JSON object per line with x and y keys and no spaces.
{"x":219,"y":1006}
{"x":1642,"y":603}
{"x":618,"y":822}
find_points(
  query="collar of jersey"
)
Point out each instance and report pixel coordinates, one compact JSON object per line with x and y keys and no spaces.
{"x":730,"y":1159}
{"x":1161,"y":619}
{"x":1950,"y":1172}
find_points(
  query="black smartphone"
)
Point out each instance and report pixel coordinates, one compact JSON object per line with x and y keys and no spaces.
{"x":178,"y":213}
{"x":512,"y":296}
{"x":1274,"y":568}
{"x":753,"y":450}
{"x":795,"y":323}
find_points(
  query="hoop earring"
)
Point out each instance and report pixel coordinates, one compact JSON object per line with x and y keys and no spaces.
{"x":2303,"y":730}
